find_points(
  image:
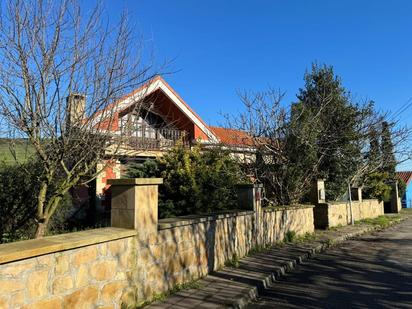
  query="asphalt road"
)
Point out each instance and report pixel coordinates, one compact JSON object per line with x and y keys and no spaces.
{"x":374,"y":271}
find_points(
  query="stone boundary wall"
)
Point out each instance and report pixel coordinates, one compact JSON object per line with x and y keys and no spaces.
{"x":185,"y":252}
{"x":278,"y":221}
{"x":104,"y":268}
{"x":328,"y":215}
{"x":87,"y":269}
{"x":367,"y":209}
{"x":188,"y":251}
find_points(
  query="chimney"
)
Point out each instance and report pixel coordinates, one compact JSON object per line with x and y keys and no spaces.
{"x":76,"y":105}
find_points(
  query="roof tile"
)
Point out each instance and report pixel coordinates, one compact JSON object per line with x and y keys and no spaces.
{"x":233,"y":137}
{"x":406,"y":176}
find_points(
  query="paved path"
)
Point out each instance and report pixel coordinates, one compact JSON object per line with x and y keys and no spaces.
{"x":374,"y":271}
{"x":332,"y":280}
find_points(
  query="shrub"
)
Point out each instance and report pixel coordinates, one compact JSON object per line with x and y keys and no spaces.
{"x":61,"y":221}
{"x":18,"y":188}
{"x":376,"y":186}
{"x":18,"y":197}
{"x":195,"y":181}
{"x":401,"y":188}
{"x":290,"y":236}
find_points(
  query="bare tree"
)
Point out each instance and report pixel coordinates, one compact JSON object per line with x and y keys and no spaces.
{"x":288,"y":151}
{"x":61,"y":73}
{"x":268,"y":124}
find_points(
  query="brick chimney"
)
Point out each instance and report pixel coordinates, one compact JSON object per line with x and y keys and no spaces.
{"x":76,"y":105}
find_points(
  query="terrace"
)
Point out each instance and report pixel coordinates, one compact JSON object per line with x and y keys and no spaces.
{"x":149,"y":138}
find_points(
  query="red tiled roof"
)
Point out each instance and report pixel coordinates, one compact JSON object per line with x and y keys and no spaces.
{"x":406,"y":176}
{"x":233,"y":137}
{"x":110,"y":124}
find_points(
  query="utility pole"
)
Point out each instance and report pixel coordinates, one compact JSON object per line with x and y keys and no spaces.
{"x":350,"y":204}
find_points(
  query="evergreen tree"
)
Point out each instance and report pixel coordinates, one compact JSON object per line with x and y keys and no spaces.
{"x":301,"y":150}
{"x":194,"y":181}
{"x":374,"y":154}
{"x":388,"y":157}
{"x":382,"y":164}
{"x":336,"y":135}
{"x":376,"y":186}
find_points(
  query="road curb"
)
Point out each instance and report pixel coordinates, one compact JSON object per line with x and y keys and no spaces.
{"x":290,"y":265}
{"x":237,"y":287}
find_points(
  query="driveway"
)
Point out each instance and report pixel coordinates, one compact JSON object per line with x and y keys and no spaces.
{"x":373,"y":271}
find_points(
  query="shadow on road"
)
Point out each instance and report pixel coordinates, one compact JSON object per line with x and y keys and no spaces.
{"x":371,"y":272}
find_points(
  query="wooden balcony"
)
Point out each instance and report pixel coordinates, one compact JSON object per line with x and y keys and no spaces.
{"x":148,"y":138}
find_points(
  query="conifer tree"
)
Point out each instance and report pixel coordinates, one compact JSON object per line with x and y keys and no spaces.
{"x":374,"y":154}
{"x":336,"y":144}
{"x":387,"y":149}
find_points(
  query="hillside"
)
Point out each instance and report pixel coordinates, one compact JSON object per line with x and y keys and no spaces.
{"x":23,"y":150}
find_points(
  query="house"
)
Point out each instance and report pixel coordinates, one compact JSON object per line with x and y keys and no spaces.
{"x":406,"y":177}
{"x":164,"y":119}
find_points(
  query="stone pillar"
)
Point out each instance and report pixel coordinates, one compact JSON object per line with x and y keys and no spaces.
{"x":249,"y":197}
{"x":356,"y":193}
{"x":134,"y":204}
{"x":396,"y":204}
{"x":318,"y":194}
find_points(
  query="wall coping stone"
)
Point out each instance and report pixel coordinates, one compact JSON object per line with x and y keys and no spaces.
{"x":169,"y":223}
{"x":324,"y":205}
{"x":340,"y":202}
{"x":135,"y":181}
{"x":25,"y":249}
{"x":249,"y":185}
{"x":286,"y":207}
{"x":347,"y":202}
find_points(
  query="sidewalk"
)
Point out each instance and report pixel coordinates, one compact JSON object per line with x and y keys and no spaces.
{"x":236,"y":287}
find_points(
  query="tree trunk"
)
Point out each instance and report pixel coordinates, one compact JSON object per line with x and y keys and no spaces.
{"x":41,"y":229}
{"x":91,"y":209}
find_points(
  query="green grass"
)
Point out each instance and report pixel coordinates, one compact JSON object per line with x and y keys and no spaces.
{"x":233,"y":262}
{"x":23,"y":149}
{"x":258,"y":249}
{"x":290,"y":236}
{"x":381,"y":221}
{"x":305,"y":238}
{"x":329,"y":242}
{"x":335,"y":228}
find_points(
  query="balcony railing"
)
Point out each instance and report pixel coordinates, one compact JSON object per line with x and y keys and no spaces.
{"x":147,"y":138}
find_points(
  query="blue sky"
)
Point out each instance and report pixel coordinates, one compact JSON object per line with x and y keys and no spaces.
{"x":220,"y":47}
